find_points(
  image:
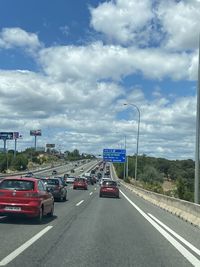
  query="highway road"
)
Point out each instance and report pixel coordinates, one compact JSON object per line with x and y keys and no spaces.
{"x":89,"y":231}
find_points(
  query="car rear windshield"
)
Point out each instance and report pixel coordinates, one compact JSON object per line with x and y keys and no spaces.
{"x":53,"y":181}
{"x":17,"y":185}
{"x":110,"y":183}
{"x":80,"y":180}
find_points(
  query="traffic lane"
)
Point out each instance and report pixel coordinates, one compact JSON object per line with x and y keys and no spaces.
{"x":102,"y":232}
{"x":181,"y":227}
{"x":14,"y":232}
{"x":36,"y":258}
{"x":67,"y":169}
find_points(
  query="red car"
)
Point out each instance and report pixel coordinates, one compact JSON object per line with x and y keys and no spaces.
{"x":25,"y":196}
{"x":109,"y":188}
{"x":80,"y":183}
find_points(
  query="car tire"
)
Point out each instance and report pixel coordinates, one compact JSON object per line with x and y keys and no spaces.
{"x":74,"y":188}
{"x":100,"y":195}
{"x":65,"y":197}
{"x":50,"y":214}
{"x":40,"y":215}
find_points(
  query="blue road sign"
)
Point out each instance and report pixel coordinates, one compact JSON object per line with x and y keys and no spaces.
{"x":114,"y":155}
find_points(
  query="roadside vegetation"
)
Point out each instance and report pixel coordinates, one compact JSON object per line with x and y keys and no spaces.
{"x":28,"y":159}
{"x":170,"y":177}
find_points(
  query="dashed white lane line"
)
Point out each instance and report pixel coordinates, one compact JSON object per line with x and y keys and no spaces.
{"x":23,"y":247}
{"x":95,"y":189}
{"x":79,"y":203}
{"x":186,"y":253}
{"x":91,"y":193}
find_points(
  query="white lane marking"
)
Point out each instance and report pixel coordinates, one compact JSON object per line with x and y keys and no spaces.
{"x":196,"y":250}
{"x":91,"y":193}
{"x":79,"y":203}
{"x":189,"y":256}
{"x":23,"y":247}
{"x":95,"y":189}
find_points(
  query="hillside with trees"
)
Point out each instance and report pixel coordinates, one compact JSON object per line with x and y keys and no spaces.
{"x":154,"y":172}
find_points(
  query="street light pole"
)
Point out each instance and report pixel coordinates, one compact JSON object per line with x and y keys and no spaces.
{"x":138,"y":134}
{"x":196,"y":183}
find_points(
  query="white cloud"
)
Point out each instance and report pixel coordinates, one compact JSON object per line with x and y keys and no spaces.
{"x":17,"y":37}
{"x":122,"y":20}
{"x":180,"y":21}
{"x":98,"y":61}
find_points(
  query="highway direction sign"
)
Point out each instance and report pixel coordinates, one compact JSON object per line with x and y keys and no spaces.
{"x":114,"y":155}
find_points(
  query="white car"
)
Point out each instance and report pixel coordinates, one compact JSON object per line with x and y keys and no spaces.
{"x":70,"y":179}
{"x":103,"y":179}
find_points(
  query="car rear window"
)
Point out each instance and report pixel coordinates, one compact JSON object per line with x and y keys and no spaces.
{"x":53,"y":181}
{"x":17,"y":185}
{"x":79,"y":180}
{"x":109,"y":183}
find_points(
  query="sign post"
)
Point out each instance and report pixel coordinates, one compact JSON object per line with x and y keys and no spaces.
{"x":35,"y":133}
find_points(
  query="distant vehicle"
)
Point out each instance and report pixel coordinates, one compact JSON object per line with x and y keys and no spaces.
{"x":89,"y":178}
{"x":72,"y":171}
{"x":80,"y":183}
{"x":92,"y":172}
{"x":54,"y":172}
{"x":29,"y":174}
{"x":103,"y":179}
{"x":70,"y":179}
{"x":109,"y":188}
{"x":42,"y":178}
{"x":25,"y":197}
{"x":58,"y":188}
{"x":66,"y":175}
{"x":81,"y":170}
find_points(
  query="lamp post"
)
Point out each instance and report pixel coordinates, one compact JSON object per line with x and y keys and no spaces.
{"x":196,"y":180}
{"x":138,"y":134}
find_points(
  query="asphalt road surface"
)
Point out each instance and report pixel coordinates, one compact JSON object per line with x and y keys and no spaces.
{"x":90,"y":231}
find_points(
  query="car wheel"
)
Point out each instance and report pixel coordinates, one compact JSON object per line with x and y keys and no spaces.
{"x":40,"y":215}
{"x":74,"y":188}
{"x":100,"y":195}
{"x":50,"y":214}
{"x":65,"y":197}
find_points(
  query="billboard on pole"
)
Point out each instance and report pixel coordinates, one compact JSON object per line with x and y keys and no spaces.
{"x":6,"y":135}
{"x":35,"y":132}
{"x":114,"y":155}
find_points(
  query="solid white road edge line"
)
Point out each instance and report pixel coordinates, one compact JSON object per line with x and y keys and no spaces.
{"x":189,"y":256}
{"x":91,"y":193}
{"x":23,"y":247}
{"x":196,"y":250}
{"x":79,"y":203}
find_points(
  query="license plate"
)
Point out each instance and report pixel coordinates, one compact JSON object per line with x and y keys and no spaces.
{"x":12,"y":208}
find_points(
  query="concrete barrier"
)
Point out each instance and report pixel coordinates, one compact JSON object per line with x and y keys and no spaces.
{"x":185,"y":210}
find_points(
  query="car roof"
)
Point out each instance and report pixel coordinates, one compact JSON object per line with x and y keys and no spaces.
{"x":20,"y":178}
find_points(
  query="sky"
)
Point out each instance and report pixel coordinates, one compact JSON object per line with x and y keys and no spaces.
{"x":68,"y":68}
